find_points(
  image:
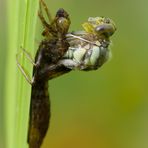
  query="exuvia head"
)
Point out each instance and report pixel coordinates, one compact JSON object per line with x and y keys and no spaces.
{"x":62,"y":21}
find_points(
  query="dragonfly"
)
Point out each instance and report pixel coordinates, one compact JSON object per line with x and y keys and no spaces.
{"x":60,"y":52}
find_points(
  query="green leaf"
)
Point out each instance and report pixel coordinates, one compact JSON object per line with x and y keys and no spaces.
{"x":22,"y":17}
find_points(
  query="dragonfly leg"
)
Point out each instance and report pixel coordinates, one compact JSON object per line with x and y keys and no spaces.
{"x":29,"y":57}
{"x":40,"y":14}
{"x":46,"y":10}
{"x":25,"y":74}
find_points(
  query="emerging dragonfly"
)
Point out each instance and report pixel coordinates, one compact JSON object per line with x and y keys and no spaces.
{"x":59,"y":53}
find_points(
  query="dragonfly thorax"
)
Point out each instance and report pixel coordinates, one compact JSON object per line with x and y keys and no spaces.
{"x":89,"y":48}
{"x":84,"y":54}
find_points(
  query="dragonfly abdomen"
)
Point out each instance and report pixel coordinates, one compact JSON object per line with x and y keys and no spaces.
{"x":39,"y":114}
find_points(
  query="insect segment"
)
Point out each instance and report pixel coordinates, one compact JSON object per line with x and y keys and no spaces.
{"x":89,"y":48}
{"x":50,"y":50}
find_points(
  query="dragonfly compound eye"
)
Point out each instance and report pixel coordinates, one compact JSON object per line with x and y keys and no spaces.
{"x":62,"y":13}
{"x":105,"y":29}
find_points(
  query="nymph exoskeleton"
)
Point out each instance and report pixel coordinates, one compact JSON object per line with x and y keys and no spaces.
{"x":50,"y":51}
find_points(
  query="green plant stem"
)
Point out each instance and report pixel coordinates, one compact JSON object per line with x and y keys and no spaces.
{"x":22,"y":15}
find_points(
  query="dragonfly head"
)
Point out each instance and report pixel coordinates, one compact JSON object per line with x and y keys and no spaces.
{"x":100,"y":26}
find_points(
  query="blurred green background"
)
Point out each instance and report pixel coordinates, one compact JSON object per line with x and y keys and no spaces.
{"x":106,"y":108}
